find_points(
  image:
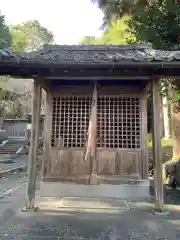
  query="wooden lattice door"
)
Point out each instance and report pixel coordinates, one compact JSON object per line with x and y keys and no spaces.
{"x":70,"y":122}
{"x":118,"y":136}
{"x":117,"y":144}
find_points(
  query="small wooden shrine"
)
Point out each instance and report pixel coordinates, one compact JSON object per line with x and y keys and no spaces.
{"x":95,"y":130}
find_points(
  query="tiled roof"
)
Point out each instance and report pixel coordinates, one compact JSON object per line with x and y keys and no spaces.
{"x":91,"y":54}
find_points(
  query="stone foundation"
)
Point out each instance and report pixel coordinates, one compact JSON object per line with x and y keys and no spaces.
{"x":124,"y":191}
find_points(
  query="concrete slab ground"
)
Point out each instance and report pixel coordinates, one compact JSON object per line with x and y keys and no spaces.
{"x":85,"y":219}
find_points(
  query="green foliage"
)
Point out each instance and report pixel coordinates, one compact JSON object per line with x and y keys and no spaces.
{"x":112,"y":9}
{"x":151,"y":21}
{"x":177,"y":95}
{"x":154,"y":21}
{"x":19,"y":39}
{"x":115,"y":33}
{"x":158,"y":24}
{"x":10,"y":105}
{"x":11,"y":108}
{"x":88,"y":40}
{"x":5,"y":35}
{"x":115,"y":9}
{"x":164,"y":142}
{"x":30,"y":36}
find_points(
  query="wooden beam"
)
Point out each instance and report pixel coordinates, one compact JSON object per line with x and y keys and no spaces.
{"x":31,"y":179}
{"x":98,"y":77}
{"x":156,"y":140}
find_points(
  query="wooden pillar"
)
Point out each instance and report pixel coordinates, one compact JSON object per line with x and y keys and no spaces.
{"x":31,"y":179}
{"x":156,"y":140}
{"x":144,"y":139}
{"x":46,"y":166}
{"x":93,"y":179}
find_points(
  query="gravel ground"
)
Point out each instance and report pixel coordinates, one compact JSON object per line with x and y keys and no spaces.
{"x":81,"y":219}
{"x":91,"y":223}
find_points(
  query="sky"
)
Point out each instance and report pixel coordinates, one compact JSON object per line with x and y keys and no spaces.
{"x":69,"y":20}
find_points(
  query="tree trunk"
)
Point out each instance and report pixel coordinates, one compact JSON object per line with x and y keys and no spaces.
{"x":166,"y":118}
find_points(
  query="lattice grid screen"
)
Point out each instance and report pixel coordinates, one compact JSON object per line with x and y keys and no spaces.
{"x":70,"y":120}
{"x":118,"y":122}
